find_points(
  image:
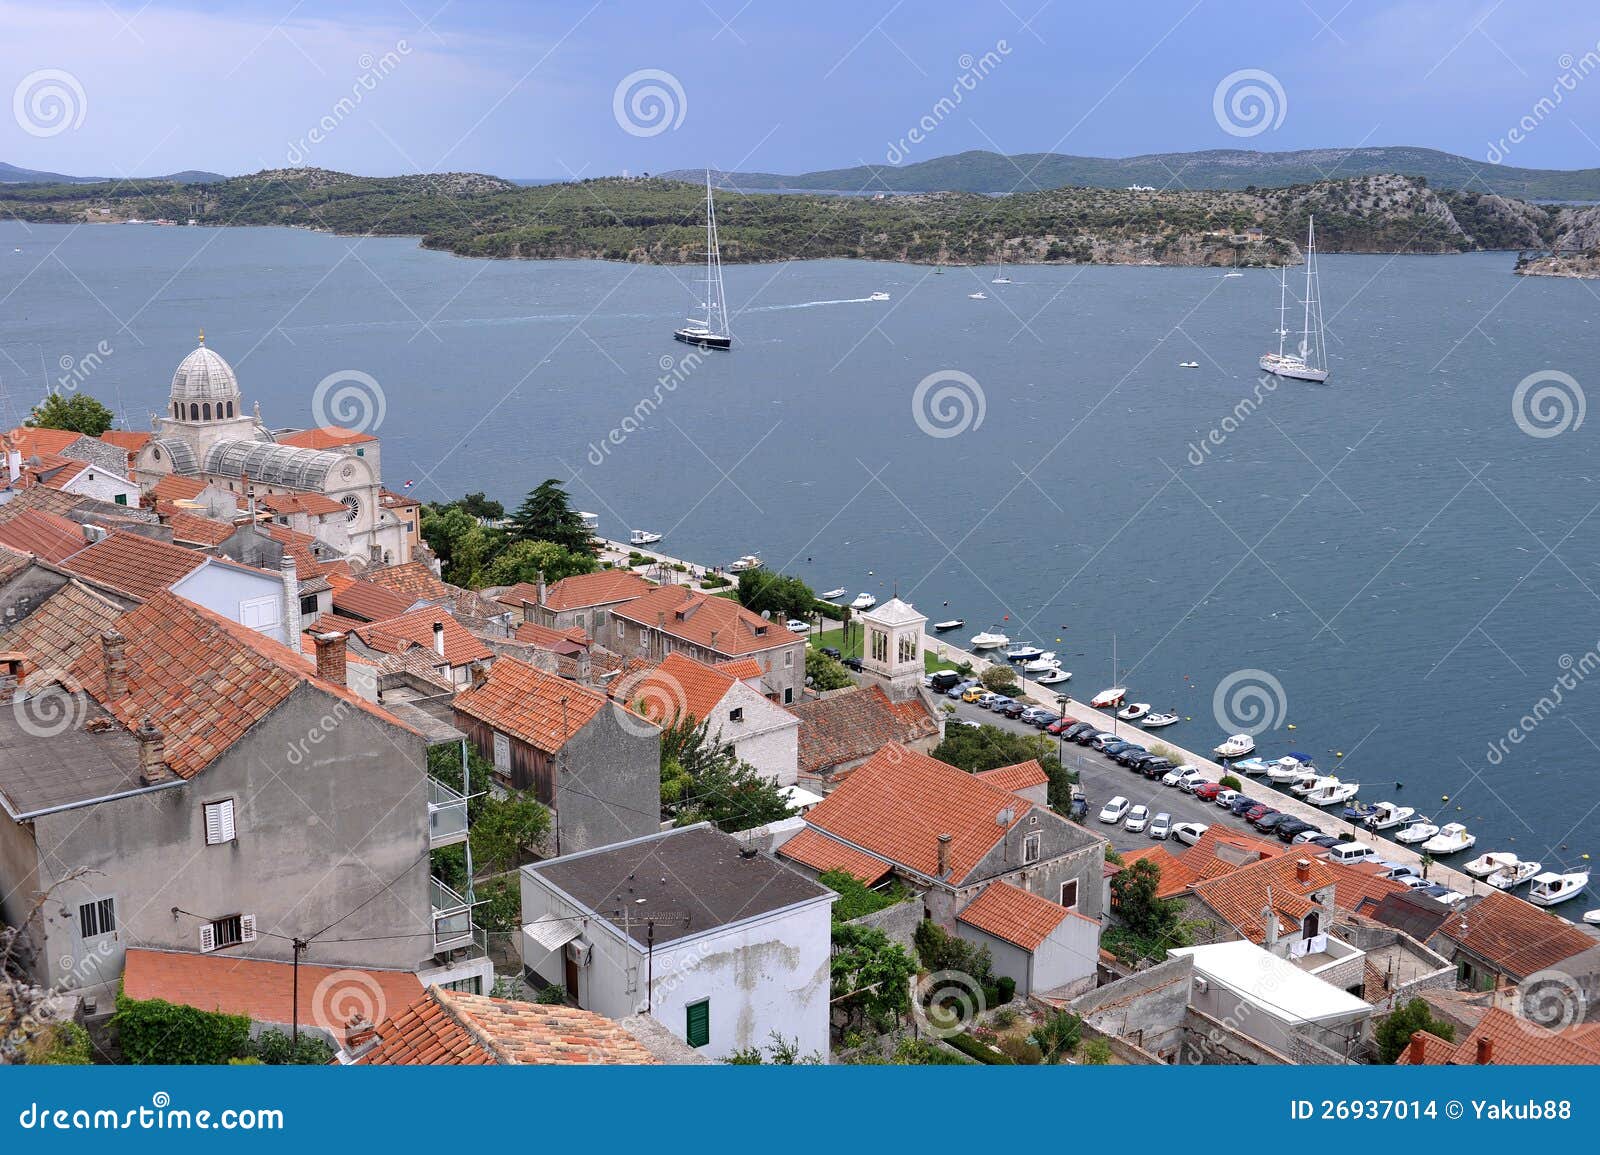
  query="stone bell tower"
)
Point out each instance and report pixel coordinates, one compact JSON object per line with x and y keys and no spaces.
{"x":892,"y":644}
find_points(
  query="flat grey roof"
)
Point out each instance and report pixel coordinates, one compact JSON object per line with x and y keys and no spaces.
{"x":697,"y":872}
{"x":40,"y":770}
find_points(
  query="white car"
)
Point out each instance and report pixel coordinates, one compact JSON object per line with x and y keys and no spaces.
{"x":1225,"y":798}
{"x":1170,"y":778}
{"x":1189,"y":833}
{"x":796,"y":626}
{"x":1114,"y":810}
{"x":1138,"y":819}
{"x":1191,"y":780}
{"x":1160,"y":825}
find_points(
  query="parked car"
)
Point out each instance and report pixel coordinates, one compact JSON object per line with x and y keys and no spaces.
{"x":1088,"y":737}
{"x":1033,"y":715}
{"x":831,"y":651}
{"x":1191,"y":781}
{"x":1129,"y":754}
{"x":796,"y":626}
{"x":1154,"y":768}
{"x":1325,"y":840}
{"x":1046,"y":719}
{"x":1412,"y":882}
{"x":1170,"y":778}
{"x":1110,"y":748}
{"x":973,"y":692}
{"x":852,"y":664}
{"x":1207,"y":791}
{"x":1115,"y":810}
{"x":1257,"y":811}
{"x":1242,"y":805}
{"x":1305,"y":837}
{"x":1225,"y":798}
{"x":1138,"y":818}
{"x":1060,"y":726}
{"x":1442,"y":893}
{"x":1105,"y":738}
{"x":1078,"y":730}
{"x":994,"y":703}
{"x":1269,"y":823}
{"x":1290,"y":830}
{"x":967,"y":722}
{"x":1013,"y":708}
{"x":1189,"y":833}
{"x":959,"y":690}
{"x":1160,"y":826}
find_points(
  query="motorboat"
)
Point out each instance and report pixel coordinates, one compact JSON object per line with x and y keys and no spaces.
{"x":1237,"y":746}
{"x":1511,"y":876}
{"x":879,"y":296}
{"x":1453,"y":838}
{"x":1247,"y":765}
{"x":1332,"y":792}
{"x":980,"y":295}
{"x":1106,"y":699}
{"x":1286,"y":769}
{"x":863,"y":601}
{"x":989,"y":640}
{"x":746,"y":563}
{"x":1043,"y":664}
{"x":1158,"y":720}
{"x":1550,"y":888}
{"x":1188,"y":364}
{"x":1386,"y":815}
{"x":1592,"y":917}
{"x":1357,"y":811}
{"x":1023,"y":653}
{"x":1308,"y":780}
{"x":1133,"y":711}
{"x":1420,"y":830}
{"x":1052,"y":676}
{"x":1486,"y":864}
{"x":643,"y":537}
{"x":947,"y":625}
{"x":832,"y":594}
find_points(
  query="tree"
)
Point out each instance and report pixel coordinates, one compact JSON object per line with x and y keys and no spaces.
{"x":1148,"y":924}
{"x":547,"y":515}
{"x":703,"y":780}
{"x":1394,"y":1033}
{"x":465,"y":548}
{"x":79,"y":413}
{"x":444,"y":763}
{"x":477,"y":505}
{"x":1058,"y":1036}
{"x":775,"y":593}
{"x":1000,"y":680}
{"x":823,"y":673}
{"x":499,"y":906}
{"x":855,"y":897}
{"x":505,"y":829}
{"x":989,"y":747}
{"x":524,"y":561}
{"x":871,"y":976}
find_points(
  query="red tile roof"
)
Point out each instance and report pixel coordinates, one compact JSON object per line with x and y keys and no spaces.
{"x":412,"y":579}
{"x":46,"y":535}
{"x":693,"y":617}
{"x":173,"y":487}
{"x":202,"y":680}
{"x":594,"y":589}
{"x":541,"y":709}
{"x":1240,"y":895}
{"x":678,"y":687}
{"x":134,"y":564}
{"x":741,"y":668}
{"x":523,"y":593}
{"x":392,"y":635}
{"x":59,"y":627}
{"x":56,"y":472}
{"x":128,"y":440}
{"x":543,"y":637}
{"x":1503,"y":1039}
{"x":1514,"y":936}
{"x":815,"y":849}
{"x":263,"y":990}
{"x":1023,"y":776}
{"x":194,"y":530}
{"x":367,"y":600}
{"x":325,"y":437}
{"x":1018,"y":916}
{"x":34,"y":442}
{"x":898,"y":803}
{"x":284,"y":504}
{"x":450,"y":1028}
{"x":847,"y":727}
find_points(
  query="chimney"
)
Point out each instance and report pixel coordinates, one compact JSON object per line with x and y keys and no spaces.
{"x":1302,"y":870}
{"x":330,"y":656}
{"x":152,"y":754}
{"x":360,"y":1036}
{"x":13,"y":460}
{"x":583,"y":667}
{"x":1418,"y":1048}
{"x":714,"y":641}
{"x":1485,"y":1051}
{"x":11,"y":667}
{"x":113,"y":648}
{"x":944,"y":856}
{"x":1269,"y":920}
{"x":480,"y":674}
{"x":291,"y":601}
{"x":541,"y":587}
{"x":438,"y":638}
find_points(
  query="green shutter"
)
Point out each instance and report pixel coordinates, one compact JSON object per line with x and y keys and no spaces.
{"x":699,"y":1023}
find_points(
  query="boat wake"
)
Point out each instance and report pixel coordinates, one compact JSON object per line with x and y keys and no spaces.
{"x":808,"y":305}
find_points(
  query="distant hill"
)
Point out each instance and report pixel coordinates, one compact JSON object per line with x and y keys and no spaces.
{"x":11,"y":174}
{"x":1228,"y":168}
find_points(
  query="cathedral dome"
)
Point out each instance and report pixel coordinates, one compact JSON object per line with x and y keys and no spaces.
{"x":203,"y":376}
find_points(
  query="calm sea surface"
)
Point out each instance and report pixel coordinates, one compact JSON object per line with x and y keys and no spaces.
{"x":1412,"y":568}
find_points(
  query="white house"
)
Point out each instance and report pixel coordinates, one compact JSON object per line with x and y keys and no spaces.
{"x":1040,"y":945}
{"x":723,"y":945}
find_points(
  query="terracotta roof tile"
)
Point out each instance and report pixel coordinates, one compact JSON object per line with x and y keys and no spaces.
{"x":34,"y":442}
{"x":412,"y":579}
{"x":1503,"y":1039}
{"x":694,"y":617}
{"x":528,"y":704}
{"x":847,"y":727}
{"x":46,"y":535}
{"x":134,"y":564}
{"x":174,"y":487}
{"x":741,"y":668}
{"x":195,"y":530}
{"x":815,"y":849}
{"x":1515,"y":936}
{"x":314,"y":504}
{"x":325,"y":437}
{"x":594,"y":589}
{"x":451,"y":1028}
{"x":1023,"y":776}
{"x":367,"y":600}
{"x":1240,"y":895}
{"x":678,"y":687}
{"x":59,"y":627}
{"x":1018,"y":916}
{"x":128,"y":440}
{"x":545,"y":638}
{"x":393,"y":635}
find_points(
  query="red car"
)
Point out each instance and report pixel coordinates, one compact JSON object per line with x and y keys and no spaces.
{"x":1257,"y":811}
{"x":1059,"y":725}
{"x":1207,"y":792}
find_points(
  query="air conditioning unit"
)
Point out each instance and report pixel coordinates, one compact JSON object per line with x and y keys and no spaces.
{"x":578,"y":952}
{"x":1200,"y":985}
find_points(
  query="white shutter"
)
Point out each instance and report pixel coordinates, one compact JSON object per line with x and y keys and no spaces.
{"x":208,"y":939}
{"x":219,"y":822}
{"x":247,"y":928}
{"x":225,"y":809}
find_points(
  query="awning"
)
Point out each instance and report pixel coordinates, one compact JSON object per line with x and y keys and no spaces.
{"x":553,"y":934}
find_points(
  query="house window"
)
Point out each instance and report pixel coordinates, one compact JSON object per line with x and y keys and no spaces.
{"x":361,"y":453}
{"x":502,"y":754}
{"x":788,"y":695}
{"x":219,"y":822}
{"x":697,"y":1024}
{"x":880,"y":646}
{"x":225,"y":932}
{"x":308,"y":604}
{"x":467,"y":986}
{"x":577,"y":620}
{"x":96,"y":917}
{"x":121,"y":499}
{"x":736,"y":714}
{"x":259,"y":613}
{"x":1030,"y":848}
{"x":622,"y":632}
{"x":1069,"y":894}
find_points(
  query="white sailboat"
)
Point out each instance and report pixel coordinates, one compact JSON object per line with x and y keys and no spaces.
{"x":1311,"y":363}
{"x":711,"y":331}
{"x":1000,"y":277}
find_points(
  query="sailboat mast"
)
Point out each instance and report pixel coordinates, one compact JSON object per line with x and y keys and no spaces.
{"x":1311,"y":267}
{"x":715,"y":302}
{"x":1283,"y":305}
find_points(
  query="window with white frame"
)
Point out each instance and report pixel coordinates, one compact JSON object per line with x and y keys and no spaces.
{"x":1030,"y":847}
{"x":788,"y":657}
{"x":226,"y":932}
{"x":96,"y":917}
{"x":1069,"y":894}
{"x":219,"y":822}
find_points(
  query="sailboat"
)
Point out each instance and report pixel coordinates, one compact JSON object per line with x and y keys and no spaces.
{"x":1235,"y":272}
{"x":1311,"y":364}
{"x":710,"y":332}
{"x":1000,"y":277}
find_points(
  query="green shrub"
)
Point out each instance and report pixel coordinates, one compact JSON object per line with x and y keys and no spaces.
{"x":855,"y":898}
{"x":1097,"y":1053}
{"x":551,"y":996}
{"x":1059,"y":1035}
{"x":1229,"y":782}
{"x":1004,"y":1019}
{"x":1006,"y":988}
{"x":277,"y":1049}
{"x":941,"y":951}
{"x":968,"y":1045}
{"x":712,"y":582}
{"x":1021,"y":1051}
{"x":60,"y":1045}
{"x":154,"y":1032}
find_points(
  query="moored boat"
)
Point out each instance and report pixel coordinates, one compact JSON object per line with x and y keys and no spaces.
{"x":1510,"y":877}
{"x":1486,"y":864}
{"x":1106,"y":699}
{"x":749,"y":561}
{"x":1133,"y":711}
{"x":1387,"y":815}
{"x":1550,"y":888}
{"x":832,"y":594}
{"x":1236,"y":746}
{"x":1156,"y":721}
{"x":1250,"y":765}
{"x":863,"y":601}
{"x":947,"y":625}
{"x":1452,"y":838}
{"x":1418,"y":831}
{"x":1023,"y":653}
{"x":643,"y":537}
{"x":989,"y":640}
{"x":1044,"y":663}
{"x":1051,"y":677}
{"x":1333,"y":792}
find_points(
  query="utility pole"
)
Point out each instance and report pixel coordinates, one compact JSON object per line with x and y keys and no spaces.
{"x":300,"y":945}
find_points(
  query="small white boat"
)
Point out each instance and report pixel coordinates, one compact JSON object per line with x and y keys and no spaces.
{"x":1308,"y":780}
{"x":1106,"y":699}
{"x":1550,"y":888}
{"x":1333,"y":792}
{"x":643,"y":537}
{"x":1252,"y":766}
{"x":879,"y":296}
{"x":1237,"y":746}
{"x":1225,"y":276}
{"x":1043,"y":664}
{"x":831,"y":594}
{"x":1023,"y":653}
{"x":1156,"y":721}
{"x":1486,"y":864}
{"x":1000,"y":277}
{"x":1286,"y":769}
{"x":1188,"y":364}
{"x":948,"y":624}
{"x":863,"y":601}
{"x":1051,"y":677}
{"x":978,"y":296}
{"x":1511,"y":876}
{"x":1592,"y":917}
{"x":1133,"y":711}
{"x":1419,"y":831}
{"x":1452,"y":838}
{"x":749,"y":561}
{"x":1386,"y":815}
{"x":989,"y":640}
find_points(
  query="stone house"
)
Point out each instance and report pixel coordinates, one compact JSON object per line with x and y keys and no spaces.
{"x":582,"y":601}
{"x":841,"y":730}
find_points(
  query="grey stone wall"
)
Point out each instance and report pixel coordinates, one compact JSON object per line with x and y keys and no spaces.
{"x":899,"y":922}
{"x":608,"y":783}
{"x":1146,"y":1008}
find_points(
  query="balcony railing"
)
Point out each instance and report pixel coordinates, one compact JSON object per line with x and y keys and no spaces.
{"x":447,"y":815}
{"x":452,"y":919}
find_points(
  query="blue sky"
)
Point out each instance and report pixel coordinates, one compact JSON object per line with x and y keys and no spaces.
{"x":527,"y":90}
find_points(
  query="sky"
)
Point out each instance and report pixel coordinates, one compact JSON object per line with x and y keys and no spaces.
{"x":526,"y":90}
